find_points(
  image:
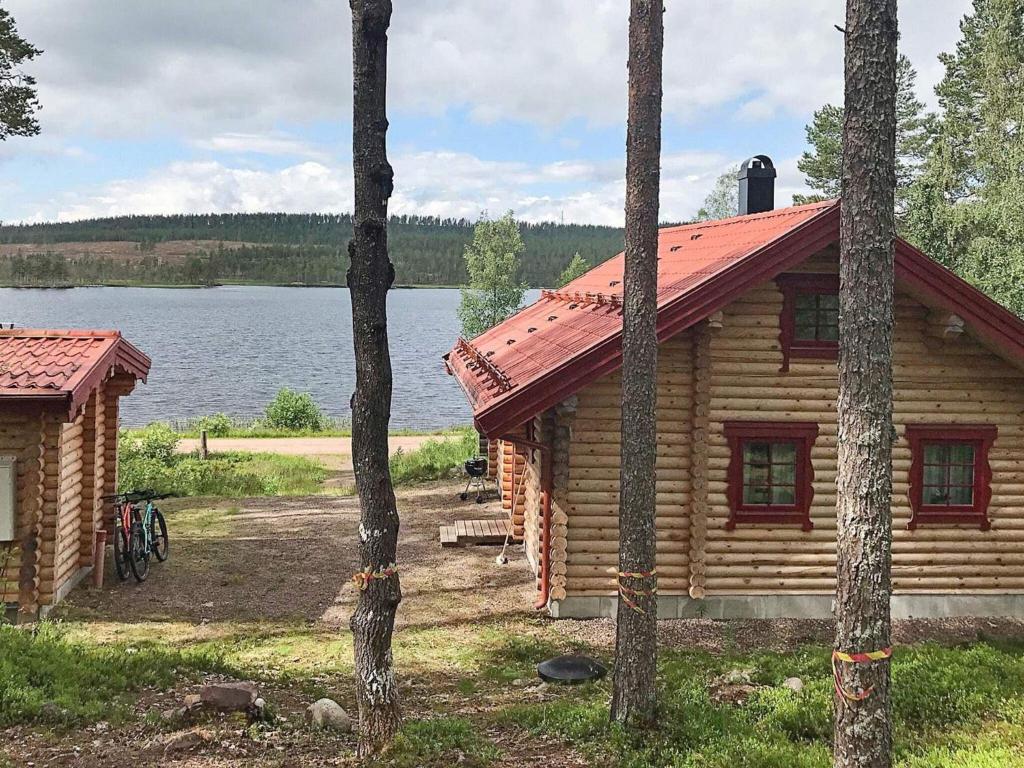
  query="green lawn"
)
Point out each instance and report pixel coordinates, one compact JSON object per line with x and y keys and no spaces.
{"x":959,"y":706}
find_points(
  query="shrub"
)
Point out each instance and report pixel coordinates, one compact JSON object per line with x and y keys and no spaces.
{"x":437,"y":458}
{"x":216,"y":424}
{"x":294,"y":411}
{"x":157,"y":442}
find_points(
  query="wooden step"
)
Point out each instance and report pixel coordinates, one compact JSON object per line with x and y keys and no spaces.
{"x":465,"y":532}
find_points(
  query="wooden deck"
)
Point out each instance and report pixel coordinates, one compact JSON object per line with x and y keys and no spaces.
{"x":465,"y":532}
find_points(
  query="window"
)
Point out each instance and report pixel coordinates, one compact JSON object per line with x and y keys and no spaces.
{"x":770,"y":472}
{"x":950,"y":476}
{"x":809,"y":324}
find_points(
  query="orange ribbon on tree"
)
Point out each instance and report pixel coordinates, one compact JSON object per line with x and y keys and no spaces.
{"x":362,"y":579}
{"x":628,"y":593}
{"x":842,"y":691}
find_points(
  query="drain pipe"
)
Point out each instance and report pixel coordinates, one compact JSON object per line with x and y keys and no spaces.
{"x":546,"y":487}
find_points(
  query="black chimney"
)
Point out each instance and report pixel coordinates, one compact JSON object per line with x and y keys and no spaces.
{"x":757,"y":185}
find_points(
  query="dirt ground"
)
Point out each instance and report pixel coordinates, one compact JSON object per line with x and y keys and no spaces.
{"x":241,"y":571}
{"x":334,"y":452}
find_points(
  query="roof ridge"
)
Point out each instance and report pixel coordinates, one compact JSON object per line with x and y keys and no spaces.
{"x":774,"y":213}
{"x":57,"y":333}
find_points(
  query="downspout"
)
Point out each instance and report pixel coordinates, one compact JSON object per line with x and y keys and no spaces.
{"x":546,"y":488}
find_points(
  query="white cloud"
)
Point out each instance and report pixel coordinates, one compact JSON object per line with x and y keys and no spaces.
{"x":447,"y":184}
{"x":196,"y":68}
{"x":272,"y":143}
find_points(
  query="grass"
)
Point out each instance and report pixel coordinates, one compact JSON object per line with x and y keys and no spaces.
{"x":435,"y":458}
{"x":228,"y":474}
{"x":238,"y":427}
{"x":957,"y":707}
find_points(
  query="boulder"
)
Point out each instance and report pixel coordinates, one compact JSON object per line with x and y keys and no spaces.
{"x":229,"y":697}
{"x":328,"y":715}
{"x":794,"y":684}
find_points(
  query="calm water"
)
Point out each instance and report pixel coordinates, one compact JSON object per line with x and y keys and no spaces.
{"x":230,"y":349}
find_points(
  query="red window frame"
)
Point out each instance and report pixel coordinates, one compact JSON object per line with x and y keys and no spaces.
{"x":797,"y":284}
{"x":802,"y":435}
{"x":981,"y":437}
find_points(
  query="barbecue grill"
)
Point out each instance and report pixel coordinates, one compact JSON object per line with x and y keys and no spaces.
{"x":476,"y":472}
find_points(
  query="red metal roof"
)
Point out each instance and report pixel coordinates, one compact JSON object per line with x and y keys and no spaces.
{"x":64,"y":365}
{"x":569,"y":337}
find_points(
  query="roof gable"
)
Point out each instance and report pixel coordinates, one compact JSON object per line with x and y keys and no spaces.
{"x":64,"y":365}
{"x":569,"y":337}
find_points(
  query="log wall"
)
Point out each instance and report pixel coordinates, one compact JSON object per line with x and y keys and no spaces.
{"x":513,"y":489}
{"x":20,"y":437}
{"x":592,"y":494}
{"x":62,"y":532}
{"x":729,"y":369}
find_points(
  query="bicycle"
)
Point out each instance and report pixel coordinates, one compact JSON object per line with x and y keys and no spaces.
{"x":138,"y":534}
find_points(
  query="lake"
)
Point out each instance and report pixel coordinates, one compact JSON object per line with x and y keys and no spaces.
{"x":230,"y":349}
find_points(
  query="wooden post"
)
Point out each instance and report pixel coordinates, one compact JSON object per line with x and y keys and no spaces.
{"x":204,"y":451}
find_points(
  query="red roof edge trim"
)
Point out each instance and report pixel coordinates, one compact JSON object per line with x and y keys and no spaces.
{"x":762,"y":264}
{"x":988,"y":319}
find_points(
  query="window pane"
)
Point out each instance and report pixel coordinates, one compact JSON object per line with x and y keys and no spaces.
{"x":934,"y":475}
{"x":756,"y":494}
{"x":937,"y":496}
{"x":961,"y":474}
{"x":805,"y":301}
{"x":828,"y":333}
{"x":961,"y":496}
{"x":784,"y":453}
{"x":829,"y":301}
{"x":936,"y":454}
{"x":961,"y":453}
{"x":783,"y":494}
{"x":784,"y":474}
{"x":755,"y":474}
{"x":755,"y":453}
{"x":806,"y":322}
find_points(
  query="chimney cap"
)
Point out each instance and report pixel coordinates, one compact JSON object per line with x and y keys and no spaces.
{"x":757,"y":167}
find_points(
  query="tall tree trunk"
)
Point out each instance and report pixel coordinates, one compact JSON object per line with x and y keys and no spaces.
{"x":634,"y":696}
{"x":863,"y":735}
{"x":369,"y":278}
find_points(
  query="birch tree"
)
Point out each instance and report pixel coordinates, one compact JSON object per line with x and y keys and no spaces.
{"x":370,"y":275}
{"x":634,"y":692}
{"x":863,"y":732}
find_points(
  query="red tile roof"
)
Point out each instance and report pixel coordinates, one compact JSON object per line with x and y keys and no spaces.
{"x":65,"y":365}
{"x":569,"y":337}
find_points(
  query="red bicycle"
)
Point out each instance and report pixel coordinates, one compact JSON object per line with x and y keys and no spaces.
{"x":139,"y":531}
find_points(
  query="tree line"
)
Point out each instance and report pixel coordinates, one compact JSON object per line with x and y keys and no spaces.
{"x":281,"y":249}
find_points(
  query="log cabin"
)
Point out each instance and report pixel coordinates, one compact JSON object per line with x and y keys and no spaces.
{"x":746,"y":455}
{"x":59,"y":400}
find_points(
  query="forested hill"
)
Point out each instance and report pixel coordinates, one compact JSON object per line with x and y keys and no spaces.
{"x":268,"y":248}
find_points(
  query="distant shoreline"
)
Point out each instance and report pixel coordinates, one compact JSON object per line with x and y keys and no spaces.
{"x":55,"y":287}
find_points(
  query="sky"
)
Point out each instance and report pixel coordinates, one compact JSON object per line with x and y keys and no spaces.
{"x":156,"y":107}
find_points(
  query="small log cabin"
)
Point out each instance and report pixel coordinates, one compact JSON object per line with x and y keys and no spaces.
{"x":747,"y":387}
{"x":59,"y":395}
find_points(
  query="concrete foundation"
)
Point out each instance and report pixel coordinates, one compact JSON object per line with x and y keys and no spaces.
{"x":793,"y":606}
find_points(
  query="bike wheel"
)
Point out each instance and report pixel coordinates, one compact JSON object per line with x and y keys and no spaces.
{"x":138,"y":554}
{"x":121,"y":552}
{"x":159,"y":542}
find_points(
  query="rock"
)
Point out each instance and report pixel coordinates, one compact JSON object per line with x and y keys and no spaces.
{"x":518,"y":682}
{"x":186,"y":740}
{"x":794,"y":684}
{"x":736,"y":677}
{"x":193,"y":701}
{"x":170,"y":715}
{"x":50,"y":712}
{"x":229,"y":697}
{"x":328,"y":714}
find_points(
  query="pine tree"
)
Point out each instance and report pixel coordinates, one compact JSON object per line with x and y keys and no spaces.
{"x":822,"y":163}
{"x":493,"y":264}
{"x":370,"y":276}
{"x":863,"y":716}
{"x":18,"y":102}
{"x":634,"y":690}
{"x":966,"y":210}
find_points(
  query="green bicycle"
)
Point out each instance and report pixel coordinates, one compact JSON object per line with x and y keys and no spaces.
{"x":140,"y":531}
